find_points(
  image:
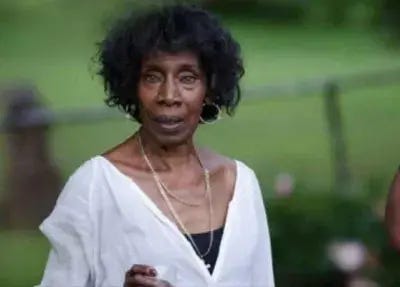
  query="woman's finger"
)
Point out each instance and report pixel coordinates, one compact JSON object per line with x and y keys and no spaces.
{"x":145,"y":281}
{"x":142,"y":269}
{"x":131,"y":281}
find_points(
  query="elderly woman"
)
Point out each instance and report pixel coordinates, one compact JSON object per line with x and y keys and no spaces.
{"x":157,"y":210}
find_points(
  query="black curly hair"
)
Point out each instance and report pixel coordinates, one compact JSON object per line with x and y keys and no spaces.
{"x":170,"y":29}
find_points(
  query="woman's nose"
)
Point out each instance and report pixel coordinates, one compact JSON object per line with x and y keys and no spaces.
{"x":169,"y":93}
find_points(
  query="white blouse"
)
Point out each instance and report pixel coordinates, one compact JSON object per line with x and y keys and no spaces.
{"x":103,"y":223}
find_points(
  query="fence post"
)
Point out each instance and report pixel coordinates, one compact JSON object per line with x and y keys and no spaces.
{"x":32,"y":180}
{"x":342,"y":178}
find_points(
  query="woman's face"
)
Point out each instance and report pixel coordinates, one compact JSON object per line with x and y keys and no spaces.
{"x":171,"y":91}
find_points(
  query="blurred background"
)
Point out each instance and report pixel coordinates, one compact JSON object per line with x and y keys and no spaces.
{"x":318,"y":122}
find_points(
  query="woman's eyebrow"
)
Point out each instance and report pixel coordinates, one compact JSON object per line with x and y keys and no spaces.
{"x":190,"y":67}
{"x":151,"y":67}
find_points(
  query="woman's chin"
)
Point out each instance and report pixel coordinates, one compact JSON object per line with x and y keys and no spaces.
{"x":172,"y":137}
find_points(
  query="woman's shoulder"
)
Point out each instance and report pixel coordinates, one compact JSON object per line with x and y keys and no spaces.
{"x":86,"y":170}
{"x":216,"y":162}
{"x":81,"y":181}
{"x":232,"y":168}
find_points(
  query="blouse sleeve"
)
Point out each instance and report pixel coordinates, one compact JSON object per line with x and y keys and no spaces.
{"x":68,"y":229}
{"x":263,"y":275}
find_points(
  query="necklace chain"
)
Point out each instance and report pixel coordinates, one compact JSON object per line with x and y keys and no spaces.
{"x":183,"y":201}
{"x":164,"y":191}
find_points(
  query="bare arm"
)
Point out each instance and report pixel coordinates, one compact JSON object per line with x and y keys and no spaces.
{"x":392,"y":217}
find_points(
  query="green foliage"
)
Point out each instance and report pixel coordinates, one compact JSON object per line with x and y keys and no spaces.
{"x":304,"y":225}
{"x":389,"y":15}
{"x":342,"y":12}
{"x":270,"y":11}
{"x":365,"y":13}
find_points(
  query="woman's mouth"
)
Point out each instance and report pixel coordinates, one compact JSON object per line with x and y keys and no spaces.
{"x":168,"y":123}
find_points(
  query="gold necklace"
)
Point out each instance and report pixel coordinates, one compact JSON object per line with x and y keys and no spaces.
{"x":170,"y":193}
{"x":163,"y":191}
{"x":183,"y":201}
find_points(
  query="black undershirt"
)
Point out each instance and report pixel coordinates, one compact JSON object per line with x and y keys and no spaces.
{"x":202,"y":241}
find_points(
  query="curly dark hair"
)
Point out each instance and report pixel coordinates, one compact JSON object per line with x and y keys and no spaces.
{"x":169,"y":29}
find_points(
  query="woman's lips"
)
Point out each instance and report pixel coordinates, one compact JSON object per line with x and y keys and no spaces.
{"x":168,"y":123}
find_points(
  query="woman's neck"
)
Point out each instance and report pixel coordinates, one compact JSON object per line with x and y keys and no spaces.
{"x":168,"y":157}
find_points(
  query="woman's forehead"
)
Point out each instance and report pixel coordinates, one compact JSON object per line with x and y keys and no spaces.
{"x":169,"y":59}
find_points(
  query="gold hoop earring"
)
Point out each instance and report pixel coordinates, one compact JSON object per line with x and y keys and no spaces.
{"x":130,"y":112}
{"x":212,"y":112}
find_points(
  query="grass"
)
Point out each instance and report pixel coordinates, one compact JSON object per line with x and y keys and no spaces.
{"x":23,"y":255}
{"x":51,"y":44}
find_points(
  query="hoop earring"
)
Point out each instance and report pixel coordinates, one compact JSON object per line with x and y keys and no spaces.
{"x":128,"y":114}
{"x":210,"y":109}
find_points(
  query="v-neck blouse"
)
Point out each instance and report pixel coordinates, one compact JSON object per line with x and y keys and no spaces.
{"x":103,"y":223}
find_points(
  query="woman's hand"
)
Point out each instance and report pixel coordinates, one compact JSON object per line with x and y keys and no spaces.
{"x":143,"y":276}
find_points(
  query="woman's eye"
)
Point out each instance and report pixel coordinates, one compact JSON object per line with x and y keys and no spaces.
{"x":151,"y":78}
{"x":188,"y":79}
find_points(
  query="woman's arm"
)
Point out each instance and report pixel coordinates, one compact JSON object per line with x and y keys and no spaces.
{"x":392,"y":218}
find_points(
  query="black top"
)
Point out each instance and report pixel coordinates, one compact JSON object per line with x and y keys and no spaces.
{"x":202,"y":240}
